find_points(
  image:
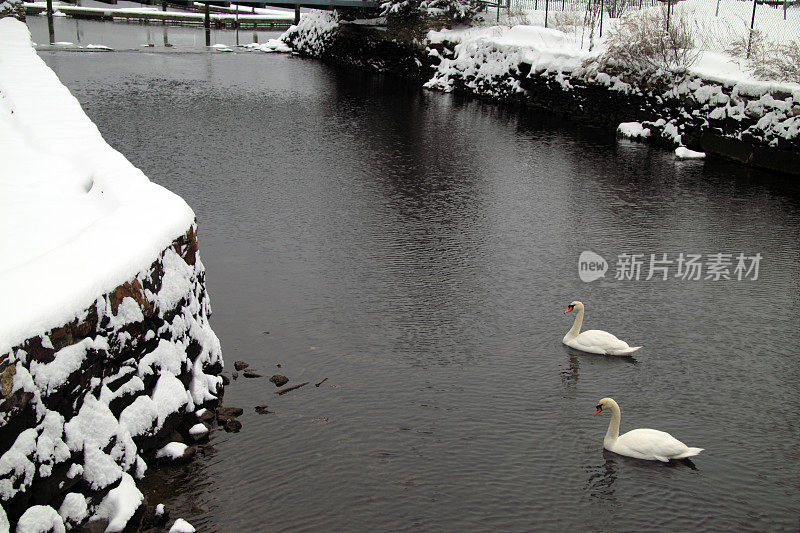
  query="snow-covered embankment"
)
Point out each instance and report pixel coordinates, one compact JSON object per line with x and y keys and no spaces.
{"x":106,"y":350}
{"x":712,"y":107}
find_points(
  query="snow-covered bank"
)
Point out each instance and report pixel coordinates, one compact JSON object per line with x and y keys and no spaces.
{"x":105,"y":344}
{"x":715,"y":106}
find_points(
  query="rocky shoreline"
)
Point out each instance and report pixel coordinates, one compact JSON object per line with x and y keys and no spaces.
{"x":88,"y":405}
{"x":756,"y":124}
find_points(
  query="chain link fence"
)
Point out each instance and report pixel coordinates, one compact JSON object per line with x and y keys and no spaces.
{"x":723,"y":25}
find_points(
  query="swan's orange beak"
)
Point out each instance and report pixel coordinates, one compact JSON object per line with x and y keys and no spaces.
{"x":568,"y":310}
{"x":598,"y":410}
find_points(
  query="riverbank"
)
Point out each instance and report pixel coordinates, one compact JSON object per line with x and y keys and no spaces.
{"x":714,"y":107}
{"x":106,"y":351}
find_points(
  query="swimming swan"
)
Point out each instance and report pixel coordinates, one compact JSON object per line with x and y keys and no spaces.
{"x":641,"y":443}
{"x":594,"y":340}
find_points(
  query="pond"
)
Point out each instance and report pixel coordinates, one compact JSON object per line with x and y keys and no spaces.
{"x":418,"y":251}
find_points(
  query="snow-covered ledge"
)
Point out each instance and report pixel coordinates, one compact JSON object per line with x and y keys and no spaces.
{"x":105,"y":344}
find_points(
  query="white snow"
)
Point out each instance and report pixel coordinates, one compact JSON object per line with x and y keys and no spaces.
{"x":272,"y":45}
{"x":633,"y":130}
{"x":681,"y":152}
{"x":120,"y":504}
{"x":173,"y":450}
{"x":198,"y":430}
{"x":140,"y":417}
{"x":4,"y":525}
{"x":40,"y":519}
{"x":74,"y":509}
{"x":16,"y":468}
{"x":181,"y":526}
{"x":91,"y":430}
{"x":160,"y":509}
{"x":85,"y":220}
{"x":168,"y":355}
{"x":49,"y":376}
{"x":170,"y":396}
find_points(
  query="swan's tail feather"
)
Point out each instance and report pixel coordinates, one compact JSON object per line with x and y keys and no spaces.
{"x":624,"y":351}
{"x":690,"y":452}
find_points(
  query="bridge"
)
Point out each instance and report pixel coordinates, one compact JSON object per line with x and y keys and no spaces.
{"x":219,"y":14}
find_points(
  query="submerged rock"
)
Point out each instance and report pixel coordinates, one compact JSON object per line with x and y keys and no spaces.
{"x":251,"y":374}
{"x":279,"y":380}
{"x":240,"y":365}
{"x":262,"y":409}
{"x":224,"y":414}
{"x":232,"y":426}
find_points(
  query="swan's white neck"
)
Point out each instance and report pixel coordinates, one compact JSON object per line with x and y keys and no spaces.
{"x":613,"y":426}
{"x":576,"y":326}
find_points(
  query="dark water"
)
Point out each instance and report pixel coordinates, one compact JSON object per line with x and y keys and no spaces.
{"x":418,"y":251}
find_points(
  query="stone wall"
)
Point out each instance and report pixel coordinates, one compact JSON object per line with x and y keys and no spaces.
{"x":86,"y":405}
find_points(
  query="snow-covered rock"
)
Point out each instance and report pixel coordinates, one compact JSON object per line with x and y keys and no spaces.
{"x":181,"y":526}
{"x":119,"y":505}
{"x":40,"y":519}
{"x":633,"y":130}
{"x":681,"y":152}
{"x":104,"y":314}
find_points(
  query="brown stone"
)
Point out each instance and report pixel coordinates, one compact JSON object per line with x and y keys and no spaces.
{"x":130,"y":289}
{"x":229,"y":412}
{"x":233,"y":426}
{"x":251,"y":374}
{"x":279,"y":380}
{"x":240,"y":365}
{"x":7,"y":380}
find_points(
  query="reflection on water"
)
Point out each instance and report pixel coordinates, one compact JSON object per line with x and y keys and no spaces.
{"x":602,"y":478}
{"x":571,"y":373}
{"x":418,"y":249}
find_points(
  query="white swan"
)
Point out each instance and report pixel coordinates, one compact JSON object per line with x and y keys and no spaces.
{"x":594,"y":340}
{"x":649,"y":444}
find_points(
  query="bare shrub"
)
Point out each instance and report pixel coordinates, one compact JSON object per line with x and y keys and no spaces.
{"x":781,"y":63}
{"x":616,"y":8}
{"x":518,"y":17}
{"x":767,"y":60}
{"x":567,"y":21}
{"x":646,"y":41}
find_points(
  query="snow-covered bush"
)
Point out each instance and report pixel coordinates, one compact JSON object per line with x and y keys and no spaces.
{"x":781,"y":63}
{"x":313,"y":34}
{"x":456,"y":11}
{"x":767,"y":59}
{"x":648,"y":41}
{"x":12,"y":8}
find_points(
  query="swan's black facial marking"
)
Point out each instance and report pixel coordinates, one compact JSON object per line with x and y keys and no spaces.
{"x":570,"y":307}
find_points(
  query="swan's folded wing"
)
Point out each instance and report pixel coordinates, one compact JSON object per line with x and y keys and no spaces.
{"x":651,"y":443}
{"x":604,"y":340}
